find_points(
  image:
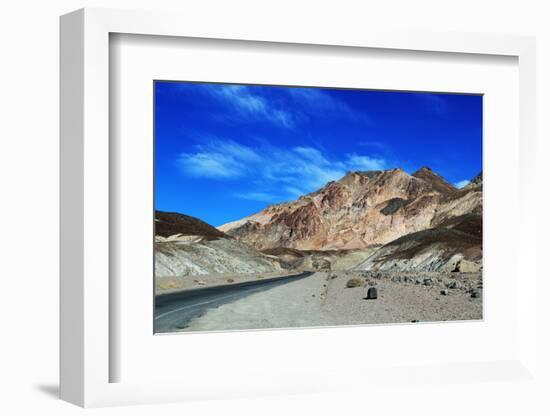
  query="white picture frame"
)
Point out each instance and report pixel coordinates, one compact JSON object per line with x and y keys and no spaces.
{"x":86,"y":356}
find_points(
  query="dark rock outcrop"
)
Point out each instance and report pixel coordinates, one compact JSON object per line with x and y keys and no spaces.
{"x":172,"y":223}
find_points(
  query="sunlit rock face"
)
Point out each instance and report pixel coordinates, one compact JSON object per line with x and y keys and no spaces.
{"x":360,"y":210}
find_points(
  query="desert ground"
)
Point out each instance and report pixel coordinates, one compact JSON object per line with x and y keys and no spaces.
{"x":340,"y":298}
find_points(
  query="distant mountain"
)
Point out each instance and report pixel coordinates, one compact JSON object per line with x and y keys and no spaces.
{"x":185,"y":245}
{"x":476,"y":182}
{"x":360,"y":210}
{"x":172,"y":223}
{"x":437,"y":182}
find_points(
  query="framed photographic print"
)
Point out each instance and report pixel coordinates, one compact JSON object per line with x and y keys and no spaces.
{"x":311,"y":198}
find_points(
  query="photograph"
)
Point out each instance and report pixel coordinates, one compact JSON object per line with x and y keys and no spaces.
{"x":280,"y":206}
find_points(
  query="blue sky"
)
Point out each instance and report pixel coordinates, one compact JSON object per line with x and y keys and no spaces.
{"x":225,"y":151}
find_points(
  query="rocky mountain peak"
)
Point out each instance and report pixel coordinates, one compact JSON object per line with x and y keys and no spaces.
{"x":358,"y":177}
{"x":436,"y":181}
{"x":478,"y":180}
{"x":425,"y":172}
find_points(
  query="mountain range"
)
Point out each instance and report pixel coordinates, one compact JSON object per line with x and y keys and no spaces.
{"x":383,"y":220}
{"x":361,"y":209}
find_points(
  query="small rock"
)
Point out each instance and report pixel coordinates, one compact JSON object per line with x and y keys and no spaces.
{"x":453,"y":285}
{"x":354,"y":282}
{"x":415,"y":321}
{"x":372,"y":293}
{"x":428,"y":282}
{"x":444,"y":292}
{"x":474,"y":293}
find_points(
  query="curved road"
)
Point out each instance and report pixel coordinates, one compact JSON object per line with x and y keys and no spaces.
{"x":174,"y":311}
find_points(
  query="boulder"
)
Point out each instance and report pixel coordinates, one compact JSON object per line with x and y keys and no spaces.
{"x":372,"y":293}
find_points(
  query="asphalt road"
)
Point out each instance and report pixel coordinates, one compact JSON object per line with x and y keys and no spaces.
{"x":174,"y":311}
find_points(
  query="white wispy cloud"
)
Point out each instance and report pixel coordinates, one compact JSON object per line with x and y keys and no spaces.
{"x":357,"y":162}
{"x":283,"y":107}
{"x":241,"y":97}
{"x":235,"y":150}
{"x":249,"y":104}
{"x":256,"y":196}
{"x":211,"y":165}
{"x":461,"y":184}
{"x":311,"y":154}
{"x":219,"y":159}
{"x":283,"y":118}
{"x":273,"y":173}
{"x":318,"y":100}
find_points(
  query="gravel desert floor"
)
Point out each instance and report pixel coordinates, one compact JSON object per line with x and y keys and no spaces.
{"x":340,"y":298}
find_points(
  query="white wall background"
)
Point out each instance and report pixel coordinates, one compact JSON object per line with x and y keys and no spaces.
{"x":29,"y":205}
